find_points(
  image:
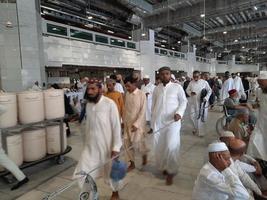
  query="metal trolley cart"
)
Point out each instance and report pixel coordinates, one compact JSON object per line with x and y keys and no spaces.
{"x":42,"y":124}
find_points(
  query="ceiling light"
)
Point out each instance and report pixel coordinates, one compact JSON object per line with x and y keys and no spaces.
{"x":202,"y":15}
{"x":179,"y":42}
{"x":211,"y":50}
{"x":143,"y":34}
{"x":255,"y":8}
{"x":129,"y":37}
{"x":173,"y":48}
{"x":243,"y":47}
{"x":144,"y":11}
{"x":225,"y":32}
{"x":162,"y":45}
{"x":90,"y":17}
{"x":54,"y":29}
{"x":164,"y":41}
{"x":109,"y":31}
{"x":236,"y":41}
{"x":264,"y":52}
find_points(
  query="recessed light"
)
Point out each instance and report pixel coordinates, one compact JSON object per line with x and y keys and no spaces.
{"x":202,"y":15}
{"x":130,"y":37}
{"x":143,"y":34}
{"x":109,"y":31}
{"x":236,"y":41}
{"x":179,"y":42}
{"x":264,"y":52}
{"x":243,"y":47}
{"x":162,"y":45}
{"x":90,"y":17}
{"x":255,"y":8}
{"x":173,"y":48}
{"x":225,"y":32}
{"x":164,"y":41}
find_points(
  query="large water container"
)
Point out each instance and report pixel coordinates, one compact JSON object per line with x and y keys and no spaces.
{"x":34,"y":144}
{"x":14,"y":149}
{"x":9,"y":118}
{"x":53,"y":139}
{"x":31,"y":107}
{"x":54,"y":103}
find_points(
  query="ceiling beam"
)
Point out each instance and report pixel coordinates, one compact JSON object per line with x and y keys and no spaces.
{"x":191,"y":13}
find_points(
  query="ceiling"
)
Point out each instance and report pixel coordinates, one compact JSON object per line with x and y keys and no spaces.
{"x":229,"y":27}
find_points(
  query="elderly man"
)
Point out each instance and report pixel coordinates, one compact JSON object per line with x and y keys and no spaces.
{"x":102,"y":136}
{"x":232,"y":105}
{"x":134,"y":120}
{"x":257,"y":145}
{"x":114,"y":95}
{"x":148,"y":89}
{"x":199,"y":92}
{"x":227,"y":85}
{"x":168,"y":107}
{"x":216,"y":180}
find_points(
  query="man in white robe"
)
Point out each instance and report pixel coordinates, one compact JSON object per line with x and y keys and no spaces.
{"x":168,"y":107}
{"x":238,"y":85}
{"x":102,"y":136}
{"x":198,"y":105}
{"x":148,"y":89}
{"x":227,"y":85}
{"x":216,"y":180}
{"x":257,"y":147}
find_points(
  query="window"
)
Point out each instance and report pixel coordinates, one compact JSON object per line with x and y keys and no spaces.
{"x":177,"y":55}
{"x":156,"y":50}
{"x":117,"y":42}
{"x":101,"y":39}
{"x":171,"y":53}
{"x":55,"y":29}
{"x":131,"y":45}
{"x":81,"y":35}
{"x":164,"y":52}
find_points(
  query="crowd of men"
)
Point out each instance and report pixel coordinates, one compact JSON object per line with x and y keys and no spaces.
{"x":119,"y":112}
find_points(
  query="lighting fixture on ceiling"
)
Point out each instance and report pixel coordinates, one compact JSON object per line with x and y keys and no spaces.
{"x":202,"y":15}
{"x":109,"y":31}
{"x":264,"y":52}
{"x":211,"y":50}
{"x":236,"y":40}
{"x":179,"y":42}
{"x":143,"y":34}
{"x":243,"y":47}
{"x":90,"y":17}
{"x":129,"y":37}
{"x":255,"y":8}
{"x":162,"y":45}
{"x":225,"y":32}
{"x":54,"y":29}
{"x":173,"y":48}
{"x":164,"y":41}
{"x":144,"y":11}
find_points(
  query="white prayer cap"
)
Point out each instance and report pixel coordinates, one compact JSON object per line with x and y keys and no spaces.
{"x":172,"y":76}
{"x":227,"y":134}
{"x":183,"y":77}
{"x":217,"y":147}
{"x":146,"y":77}
{"x":263,"y":75}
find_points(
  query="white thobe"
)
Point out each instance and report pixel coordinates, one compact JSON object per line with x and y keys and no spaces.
{"x":194,"y":103}
{"x":118,"y":88}
{"x":214,"y":185}
{"x":148,"y":89}
{"x":257,"y":147}
{"x":226,"y":87}
{"x":102,"y":136}
{"x":166,"y":102}
{"x":238,"y":85}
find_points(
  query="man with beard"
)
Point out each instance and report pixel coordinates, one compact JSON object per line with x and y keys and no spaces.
{"x":168,"y":107}
{"x":257,"y":147}
{"x":102,"y":136}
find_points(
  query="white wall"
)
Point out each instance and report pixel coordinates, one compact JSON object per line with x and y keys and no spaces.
{"x":59,"y":51}
{"x":234,"y":68}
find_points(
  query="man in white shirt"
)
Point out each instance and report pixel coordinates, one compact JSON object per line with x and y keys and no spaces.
{"x":216,"y":180}
{"x":102,"y":136}
{"x":168,"y":107}
{"x":118,"y":87}
{"x":148,"y":89}
{"x":198,"y":102}
{"x":227,"y":85}
{"x":238,"y":85}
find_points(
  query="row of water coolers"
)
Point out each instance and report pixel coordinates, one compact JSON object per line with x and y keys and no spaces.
{"x":35,"y":143}
{"x":31,"y":106}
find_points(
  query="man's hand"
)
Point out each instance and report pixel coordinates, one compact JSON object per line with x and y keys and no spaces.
{"x":258,"y":168}
{"x":219,"y":162}
{"x":114,"y":154}
{"x":147,"y":94}
{"x":177,"y":117}
{"x":193,"y":93}
{"x":133,"y":128}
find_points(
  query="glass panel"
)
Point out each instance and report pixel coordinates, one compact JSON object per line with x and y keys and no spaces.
{"x":101,"y":39}
{"x":164,"y":52}
{"x":81,"y":35}
{"x":131,"y":45}
{"x":156,"y":50}
{"x":117,"y":42}
{"x":51,"y":28}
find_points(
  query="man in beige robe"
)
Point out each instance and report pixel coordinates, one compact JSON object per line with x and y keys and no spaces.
{"x":134,"y":119}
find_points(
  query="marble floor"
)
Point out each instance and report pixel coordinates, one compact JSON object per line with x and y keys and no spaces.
{"x":142,"y":183}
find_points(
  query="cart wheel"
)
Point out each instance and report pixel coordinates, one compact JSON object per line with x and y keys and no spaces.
{"x":60,"y":160}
